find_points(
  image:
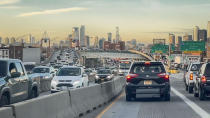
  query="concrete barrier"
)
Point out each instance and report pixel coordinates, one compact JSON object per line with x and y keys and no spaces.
{"x":67,"y":104}
{"x":84,"y":100}
{"x":6,"y":112}
{"x":45,"y":85}
{"x":51,"y":106}
{"x":107,"y":91}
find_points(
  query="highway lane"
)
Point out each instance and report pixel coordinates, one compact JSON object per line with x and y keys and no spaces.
{"x":178,"y":107}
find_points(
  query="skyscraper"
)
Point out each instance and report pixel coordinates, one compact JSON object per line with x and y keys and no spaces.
{"x":0,"y":40}
{"x":87,"y":39}
{"x":179,"y":43}
{"x":82,"y":36}
{"x":101,"y":43}
{"x":75,"y":35}
{"x":109,"y":37}
{"x":172,"y":39}
{"x":208,"y":32}
{"x":117,"y":35}
{"x":195,"y":33}
{"x":202,"y":35}
{"x":187,"y":37}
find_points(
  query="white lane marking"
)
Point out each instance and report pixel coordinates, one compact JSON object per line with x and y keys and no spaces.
{"x":202,"y":113}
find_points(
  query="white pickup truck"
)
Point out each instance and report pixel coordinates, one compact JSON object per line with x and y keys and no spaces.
{"x":190,"y":76}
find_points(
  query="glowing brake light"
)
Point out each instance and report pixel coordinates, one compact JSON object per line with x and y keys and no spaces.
{"x":191,"y":76}
{"x":147,"y":63}
{"x":164,"y":76}
{"x":129,"y":77}
{"x":203,"y":79}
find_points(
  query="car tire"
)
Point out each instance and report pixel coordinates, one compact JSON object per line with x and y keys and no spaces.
{"x":186,"y":87}
{"x":33,"y":93}
{"x":201,"y":94}
{"x":4,"y":100}
{"x":128,"y":98}
{"x":195,"y":91}
{"x":167,"y":97}
{"x":190,"y":89}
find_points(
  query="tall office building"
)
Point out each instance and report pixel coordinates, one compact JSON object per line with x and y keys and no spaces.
{"x":202,"y":35}
{"x":0,"y":40}
{"x":109,"y":37}
{"x":172,"y":39}
{"x":75,"y":35}
{"x":208,"y":32}
{"x":12,"y":40}
{"x":87,"y":39}
{"x":187,"y":37}
{"x":101,"y":43}
{"x":82,"y":36}
{"x":195,"y":33}
{"x":117,"y":35}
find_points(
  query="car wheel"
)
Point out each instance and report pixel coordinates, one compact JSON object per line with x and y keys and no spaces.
{"x":195,"y":91}
{"x":201,"y":94}
{"x":190,"y":89}
{"x":34,"y":93}
{"x":128,"y":98}
{"x":4,"y":100}
{"x":186,"y":87}
{"x":167,"y":97}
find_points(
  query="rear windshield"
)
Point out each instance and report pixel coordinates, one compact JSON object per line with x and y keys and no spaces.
{"x":41,"y":70}
{"x":125,"y":65}
{"x":207,"y":70}
{"x":195,"y":67}
{"x":3,"y":70}
{"x":147,"y":69}
{"x":29,"y":67}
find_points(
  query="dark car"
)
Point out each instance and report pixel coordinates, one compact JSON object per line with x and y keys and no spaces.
{"x":103,"y":75}
{"x":15,"y":85}
{"x":202,"y":83}
{"x":147,"y":79}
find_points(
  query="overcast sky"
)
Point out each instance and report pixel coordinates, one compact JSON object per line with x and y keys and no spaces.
{"x":135,"y":18}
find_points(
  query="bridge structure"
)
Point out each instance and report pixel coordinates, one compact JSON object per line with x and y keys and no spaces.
{"x":131,"y":54}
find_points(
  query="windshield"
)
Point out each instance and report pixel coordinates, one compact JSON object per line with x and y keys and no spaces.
{"x":195,"y":67}
{"x":29,"y":67}
{"x":125,"y":65}
{"x":69,"y":72}
{"x":41,"y":70}
{"x":104,"y":72}
{"x":3,"y":68}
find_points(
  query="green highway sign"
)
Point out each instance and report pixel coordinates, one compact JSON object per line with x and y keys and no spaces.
{"x":193,"y":46}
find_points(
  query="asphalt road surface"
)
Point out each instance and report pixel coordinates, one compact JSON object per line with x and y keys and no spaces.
{"x":182,"y":105}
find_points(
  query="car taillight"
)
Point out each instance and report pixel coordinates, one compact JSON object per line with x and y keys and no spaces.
{"x":203,"y":79}
{"x":164,"y":76}
{"x":129,"y":77}
{"x":191,"y":76}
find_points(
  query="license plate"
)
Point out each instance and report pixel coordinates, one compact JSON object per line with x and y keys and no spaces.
{"x":147,"y":82}
{"x":64,"y":88}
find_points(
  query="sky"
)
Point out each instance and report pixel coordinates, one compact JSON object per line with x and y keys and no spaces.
{"x":139,"y":19}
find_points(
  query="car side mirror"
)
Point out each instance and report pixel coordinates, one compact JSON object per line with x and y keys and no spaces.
{"x":84,"y":75}
{"x":15,"y":74}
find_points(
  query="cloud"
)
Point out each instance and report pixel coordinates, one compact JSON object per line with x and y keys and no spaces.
{"x":54,"y":11}
{"x":9,"y":7}
{"x":7,"y":2}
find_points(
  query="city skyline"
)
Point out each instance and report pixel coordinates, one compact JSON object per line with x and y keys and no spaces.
{"x":136,"y":19}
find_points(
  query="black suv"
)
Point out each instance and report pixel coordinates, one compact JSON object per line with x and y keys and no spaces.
{"x":147,"y":79}
{"x":202,"y":83}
